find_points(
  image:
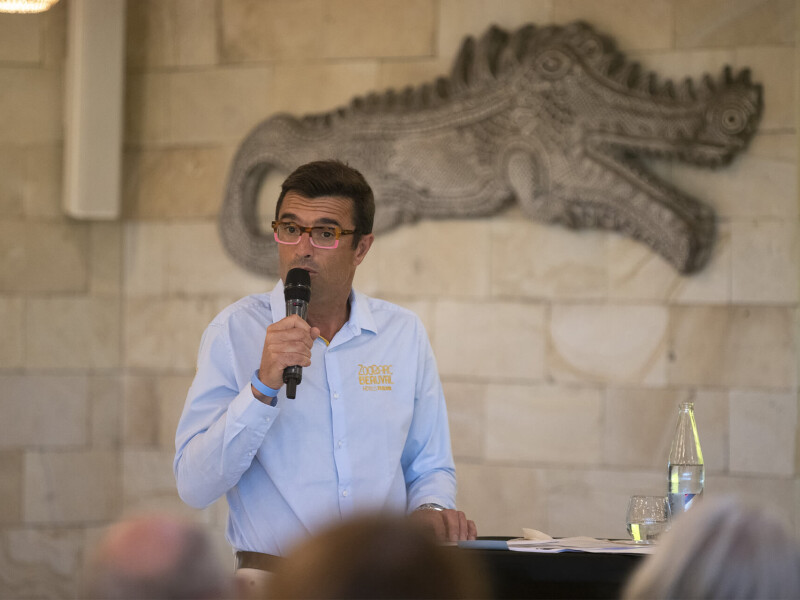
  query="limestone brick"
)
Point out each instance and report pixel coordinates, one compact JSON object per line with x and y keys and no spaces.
{"x":195,"y":106}
{"x":501,"y":499}
{"x":42,"y":175}
{"x":165,"y":33}
{"x":20,"y":38}
{"x":12,"y":184}
{"x":71,"y":487}
{"x":776,"y":494}
{"x":43,"y":411}
{"x":73,"y":333}
{"x":765,"y":259}
{"x":718,"y":23}
{"x":608,"y":343}
{"x":144,"y":259}
{"x":593,"y":502}
{"x":636,"y":273}
{"x":302,"y":88}
{"x":763,"y":432}
{"x":196,"y":263}
{"x":164,"y":335}
{"x":105,"y":259}
{"x":760,"y":182}
{"x":12,"y":324}
{"x":436,"y":258}
{"x":544,"y":424}
{"x":399,"y":74}
{"x":253,"y":30}
{"x":466,"y":412}
{"x":530,"y":259}
{"x":139,"y":411}
{"x":105,"y":403}
{"x":301,"y":29}
{"x":490,"y":340}
{"x":459,"y":18}
{"x":175,"y":182}
{"x":31,"y":105}
{"x":640,"y":424}
{"x":393,"y":28}
{"x":737,"y":346}
{"x":149,"y":482}
{"x":10,"y":487}
{"x":40,"y":562}
{"x":27,"y":256}
{"x":54,"y":35}
{"x":644,"y":25}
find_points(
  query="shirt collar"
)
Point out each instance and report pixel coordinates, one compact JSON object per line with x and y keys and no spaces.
{"x":361,"y":316}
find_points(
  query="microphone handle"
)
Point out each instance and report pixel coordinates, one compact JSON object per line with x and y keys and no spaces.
{"x":292,"y":376}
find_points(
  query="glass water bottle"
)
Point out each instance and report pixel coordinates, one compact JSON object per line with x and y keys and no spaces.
{"x":686,"y":470}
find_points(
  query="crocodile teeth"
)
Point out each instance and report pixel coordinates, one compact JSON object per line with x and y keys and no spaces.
{"x":685,"y":91}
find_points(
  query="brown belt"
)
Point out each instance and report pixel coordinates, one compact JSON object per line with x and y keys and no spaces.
{"x":256,"y":560}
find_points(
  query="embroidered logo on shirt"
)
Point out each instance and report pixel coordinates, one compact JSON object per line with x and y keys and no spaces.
{"x":375,"y":378}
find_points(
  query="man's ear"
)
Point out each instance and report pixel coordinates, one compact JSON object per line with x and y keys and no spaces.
{"x":364,"y":244}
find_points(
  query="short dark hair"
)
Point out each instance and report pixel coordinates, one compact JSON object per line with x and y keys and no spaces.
{"x":333,"y":178}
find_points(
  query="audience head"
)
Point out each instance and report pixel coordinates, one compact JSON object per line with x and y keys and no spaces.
{"x":377,"y":557}
{"x":156,"y":557}
{"x":721,"y":549}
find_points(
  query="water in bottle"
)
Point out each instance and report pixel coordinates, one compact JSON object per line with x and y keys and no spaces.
{"x":686,"y":470}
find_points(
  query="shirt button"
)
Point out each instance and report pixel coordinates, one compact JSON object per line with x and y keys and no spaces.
{"x":335,"y":394}
{"x":340,"y":444}
{"x":344,"y":493}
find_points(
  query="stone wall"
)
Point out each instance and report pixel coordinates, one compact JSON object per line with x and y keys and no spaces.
{"x":564,"y":354}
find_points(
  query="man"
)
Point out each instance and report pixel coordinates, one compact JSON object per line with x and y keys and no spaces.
{"x":367,"y":430}
{"x":156,"y":556}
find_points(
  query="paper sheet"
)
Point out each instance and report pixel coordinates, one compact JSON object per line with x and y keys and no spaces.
{"x":580,"y":544}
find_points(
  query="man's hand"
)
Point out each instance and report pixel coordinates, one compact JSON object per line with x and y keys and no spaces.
{"x":288,"y":342}
{"x":447,"y":525}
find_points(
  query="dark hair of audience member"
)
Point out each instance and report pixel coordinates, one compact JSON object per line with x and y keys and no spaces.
{"x":377,"y":557}
{"x":721,"y":549}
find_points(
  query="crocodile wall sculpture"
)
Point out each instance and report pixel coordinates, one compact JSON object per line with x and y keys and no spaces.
{"x":553,"y":118}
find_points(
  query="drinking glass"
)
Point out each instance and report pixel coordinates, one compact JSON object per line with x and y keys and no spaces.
{"x":647,"y":518}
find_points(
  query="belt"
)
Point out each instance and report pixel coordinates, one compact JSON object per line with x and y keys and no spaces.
{"x":257,"y":560}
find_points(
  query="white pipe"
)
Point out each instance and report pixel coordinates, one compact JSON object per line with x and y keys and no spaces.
{"x":93,"y":120}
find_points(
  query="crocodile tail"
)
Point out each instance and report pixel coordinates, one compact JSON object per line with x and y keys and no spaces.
{"x":243,"y":238}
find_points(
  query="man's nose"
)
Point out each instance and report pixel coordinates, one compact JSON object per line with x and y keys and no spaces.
{"x":304,"y":245}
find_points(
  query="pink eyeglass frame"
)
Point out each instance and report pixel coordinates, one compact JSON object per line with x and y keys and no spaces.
{"x":308,"y":230}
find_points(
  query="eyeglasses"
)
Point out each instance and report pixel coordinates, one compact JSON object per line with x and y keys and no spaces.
{"x":321,"y":236}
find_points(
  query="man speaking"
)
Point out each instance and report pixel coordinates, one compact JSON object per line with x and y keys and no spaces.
{"x":367,"y":430}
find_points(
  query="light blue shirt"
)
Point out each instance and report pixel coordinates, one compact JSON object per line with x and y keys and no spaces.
{"x":367,"y":431}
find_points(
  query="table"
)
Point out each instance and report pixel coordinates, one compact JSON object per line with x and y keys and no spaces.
{"x":561,"y":575}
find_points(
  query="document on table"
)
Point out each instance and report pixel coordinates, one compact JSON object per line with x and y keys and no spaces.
{"x":580,"y":544}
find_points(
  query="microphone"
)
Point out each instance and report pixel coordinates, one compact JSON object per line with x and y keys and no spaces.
{"x":297,"y":293}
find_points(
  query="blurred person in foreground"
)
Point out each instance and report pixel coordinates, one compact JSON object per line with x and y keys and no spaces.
{"x":368,"y":429}
{"x":721,"y":549}
{"x":156,"y":557}
{"x":377,"y":556}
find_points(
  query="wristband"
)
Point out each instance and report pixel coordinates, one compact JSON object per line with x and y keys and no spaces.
{"x":264,"y":389}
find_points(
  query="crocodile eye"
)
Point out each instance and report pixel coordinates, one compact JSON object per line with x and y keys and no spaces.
{"x":553,"y":64}
{"x":732,"y":120}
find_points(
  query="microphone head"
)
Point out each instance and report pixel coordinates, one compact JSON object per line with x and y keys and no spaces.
{"x":297,"y":285}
